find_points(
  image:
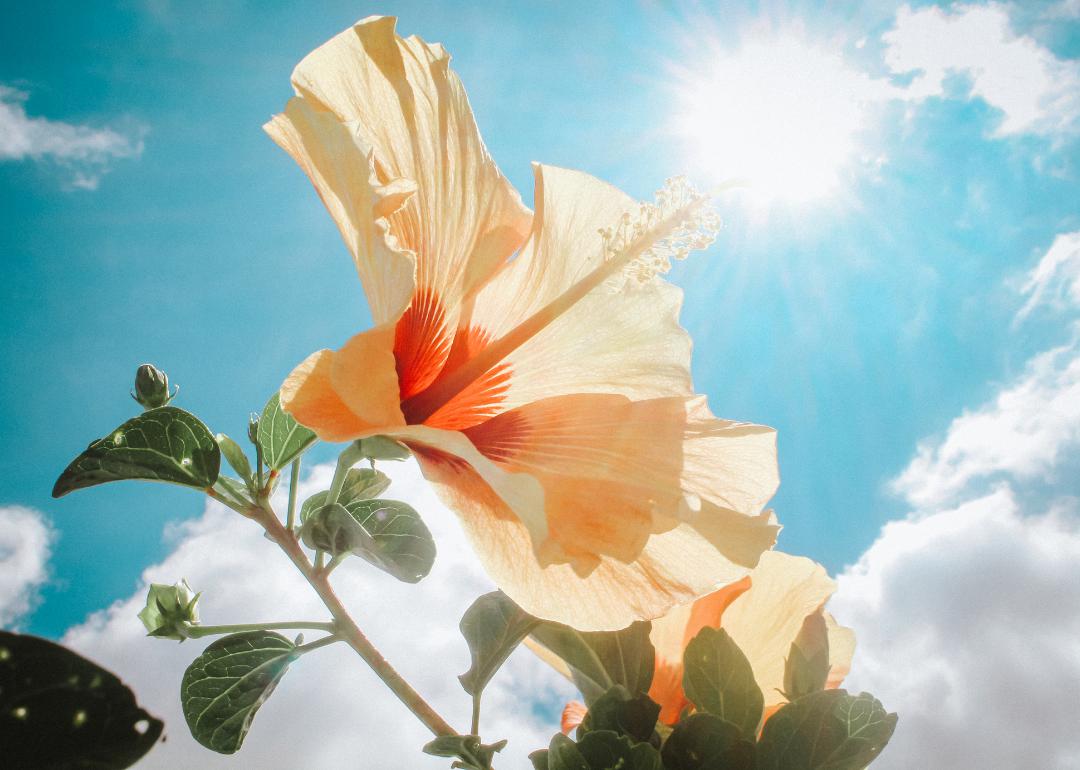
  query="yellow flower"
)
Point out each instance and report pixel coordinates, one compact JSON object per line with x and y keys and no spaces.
{"x":763,"y":614}
{"x":534,"y":365}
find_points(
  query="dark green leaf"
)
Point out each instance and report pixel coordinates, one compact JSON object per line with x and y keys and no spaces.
{"x":605,"y":750}
{"x":493,"y":626}
{"x":472,"y":754}
{"x":707,"y":742}
{"x":360,"y":484}
{"x":563,"y":754}
{"x":826,"y":730}
{"x":59,"y":711}
{"x":618,"y":711}
{"x":281,"y":437}
{"x":599,"y":660}
{"x":224,"y":687}
{"x":386,"y":533}
{"x":539,"y":759}
{"x":163,"y":444}
{"x":718,"y":679}
{"x":235,"y":456}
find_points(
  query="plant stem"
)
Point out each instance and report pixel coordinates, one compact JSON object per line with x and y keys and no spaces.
{"x":348,"y":629}
{"x":197,"y":632}
{"x":227,"y":501}
{"x":474,"y":728}
{"x":326,"y":640}
{"x":294,"y":490}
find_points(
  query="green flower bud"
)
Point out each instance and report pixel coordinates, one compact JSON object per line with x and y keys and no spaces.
{"x":151,"y":387}
{"x":170,"y":610}
{"x":253,"y":429}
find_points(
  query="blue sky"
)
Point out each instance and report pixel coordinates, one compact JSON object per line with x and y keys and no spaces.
{"x":859,"y":323}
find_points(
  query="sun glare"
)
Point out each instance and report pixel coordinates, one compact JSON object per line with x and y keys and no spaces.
{"x":779,"y":113}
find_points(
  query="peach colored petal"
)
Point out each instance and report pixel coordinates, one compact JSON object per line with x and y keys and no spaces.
{"x":364,"y":375}
{"x":627,"y":342}
{"x":400,"y":97}
{"x":841,"y":651}
{"x":573,"y":715}
{"x":765,"y":620}
{"x":309,"y":397}
{"x":670,"y":635}
{"x":341,"y":167}
{"x":674,"y":567}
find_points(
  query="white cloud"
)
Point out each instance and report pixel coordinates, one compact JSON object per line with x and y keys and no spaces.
{"x":1055,"y":281}
{"x":967,"y":622}
{"x":85,"y":150}
{"x":1024,"y":432}
{"x":26,"y":540}
{"x":329,"y":709}
{"x":1036,"y":91}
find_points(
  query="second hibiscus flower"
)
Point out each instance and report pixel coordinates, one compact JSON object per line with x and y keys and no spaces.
{"x":533,"y":362}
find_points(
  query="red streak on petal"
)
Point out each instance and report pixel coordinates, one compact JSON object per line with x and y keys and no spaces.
{"x":477,"y":402}
{"x":421,"y":343}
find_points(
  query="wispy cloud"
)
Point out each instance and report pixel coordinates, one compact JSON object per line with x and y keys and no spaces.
{"x":26,"y":540}
{"x":1055,"y":281}
{"x":85,"y":151}
{"x":1036,"y":91}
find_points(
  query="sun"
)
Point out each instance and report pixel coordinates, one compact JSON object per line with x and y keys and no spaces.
{"x":779,"y":113}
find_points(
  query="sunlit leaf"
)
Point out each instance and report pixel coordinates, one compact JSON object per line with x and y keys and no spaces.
{"x":224,"y":687}
{"x":281,"y":437}
{"x":163,"y":444}
{"x":59,"y":710}
{"x":599,"y":660}
{"x":360,"y":484}
{"x":493,"y":626}
{"x":826,"y":730}
{"x":718,"y":679}
{"x":707,"y":742}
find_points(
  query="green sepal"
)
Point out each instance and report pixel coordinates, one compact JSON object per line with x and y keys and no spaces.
{"x":60,"y":710}
{"x":360,"y":484}
{"x":707,"y":742}
{"x":235,"y":457}
{"x":493,"y":626}
{"x":828,"y":729}
{"x":467,"y":749}
{"x":280,"y":436}
{"x":224,"y":687}
{"x":599,"y":660}
{"x":606,"y":750}
{"x":170,"y":610}
{"x":386,"y":533}
{"x":163,"y":444}
{"x":717,"y":678}
{"x":620,"y":712}
{"x":383,"y":448}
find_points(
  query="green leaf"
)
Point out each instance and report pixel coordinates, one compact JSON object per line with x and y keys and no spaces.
{"x":224,"y":687}
{"x":386,"y":533}
{"x":281,"y":437}
{"x":599,"y":660}
{"x":59,"y":710}
{"x":360,"y":484}
{"x":235,"y":455}
{"x":605,"y":750}
{"x":163,"y":444}
{"x":618,"y":711}
{"x":493,"y":626}
{"x":806,"y":669}
{"x":707,"y":742}
{"x":718,"y":679}
{"x":472,"y":754}
{"x":539,"y":759}
{"x":826,"y":730}
{"x":563,"y":754}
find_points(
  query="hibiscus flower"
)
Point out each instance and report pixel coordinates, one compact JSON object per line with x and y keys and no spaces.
{"x":532,"y":362}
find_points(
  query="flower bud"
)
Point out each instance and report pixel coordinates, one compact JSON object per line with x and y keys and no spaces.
{"x":253,"y":428}
{"x":151,"y":387}
{"x":170,"y":610}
